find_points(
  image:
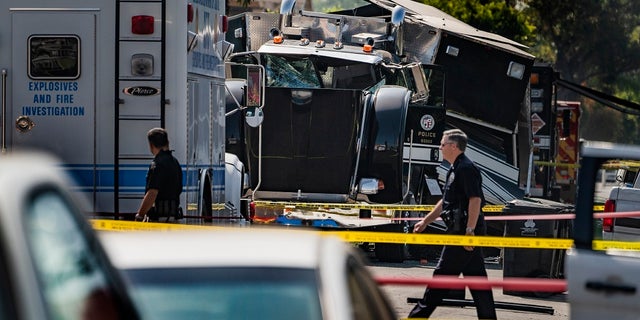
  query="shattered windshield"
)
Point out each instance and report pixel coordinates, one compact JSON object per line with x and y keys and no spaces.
{"x":319,"y":72}
{"x":293,"y":72}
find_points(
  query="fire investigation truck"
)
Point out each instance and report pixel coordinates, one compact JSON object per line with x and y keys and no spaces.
{"x":86,"y":80}
{"x":345,"y":130}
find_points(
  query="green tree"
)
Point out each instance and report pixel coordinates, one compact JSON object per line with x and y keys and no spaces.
{"x":592,"y":42}
{"x":497,"y":16}
{"x":597,"y":44}
{"x":593,"y":39}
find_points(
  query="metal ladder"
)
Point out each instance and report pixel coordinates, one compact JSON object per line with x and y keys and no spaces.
{"x":136,"y":110}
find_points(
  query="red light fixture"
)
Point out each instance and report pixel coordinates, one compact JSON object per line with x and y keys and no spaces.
{"x":189,"y":13}
{"x":607,"y":223}
{"x":610,"y":205}
{"x":252,"y":210}
{"x":142,"y":24}
{"x":225,"y":24}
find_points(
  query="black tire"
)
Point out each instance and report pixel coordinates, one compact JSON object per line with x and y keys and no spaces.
{"x":542,"y":294}
{"x":206,"y":208}
{"x":391,"y":252}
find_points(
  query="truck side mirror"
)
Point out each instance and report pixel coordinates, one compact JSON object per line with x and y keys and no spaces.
{"x":397,"y":15}
{"x":254,"y":117}
{"x":620,"y":175}
{"x":254,"y":92}
{"x":254,"y":96}
{"x":286,"y":7}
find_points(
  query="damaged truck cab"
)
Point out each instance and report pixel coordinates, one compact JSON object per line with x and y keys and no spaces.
{"x":354,"y":105}
{"x":337,"y":104}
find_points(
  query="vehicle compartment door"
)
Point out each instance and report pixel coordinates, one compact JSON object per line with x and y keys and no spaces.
{"x":603,"y":285}
{"x":52,"y":102}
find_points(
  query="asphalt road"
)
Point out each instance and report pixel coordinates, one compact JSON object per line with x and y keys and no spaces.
{"x":534,"y":307}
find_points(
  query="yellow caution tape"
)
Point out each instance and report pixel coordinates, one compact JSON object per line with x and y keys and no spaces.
{"x":122,"y":225}
{"x":322,"y":205}
{"x":618,"y":245}
{"x":613,"y":164}
{"x":622,"y":164}
{"x":367,"y":206}
{"x":390,"y":237}
{"x":556,"y":164}
{"x":493,"y":208}
{"x":455,"y":240}
{"x":476,"y":241}
{"x":214,"y":206}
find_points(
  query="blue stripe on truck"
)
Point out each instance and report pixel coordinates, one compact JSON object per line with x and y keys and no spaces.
{"x":132,"y":177}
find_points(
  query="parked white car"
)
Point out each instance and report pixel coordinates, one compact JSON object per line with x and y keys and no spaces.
{"x":246,"y":274}
{"x":51,"y":263}
{"x":623,"y":198}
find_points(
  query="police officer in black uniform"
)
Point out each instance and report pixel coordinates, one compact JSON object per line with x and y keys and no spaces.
{"x":462,"y":191}
{"x":164,"y":180}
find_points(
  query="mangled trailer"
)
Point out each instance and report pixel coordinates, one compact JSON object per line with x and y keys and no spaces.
{"x":354,"y":107}
{"x":486,"y":88}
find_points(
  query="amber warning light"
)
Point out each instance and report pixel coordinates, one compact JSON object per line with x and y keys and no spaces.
{"x":534,"y":79}
{"x":142,"y":24}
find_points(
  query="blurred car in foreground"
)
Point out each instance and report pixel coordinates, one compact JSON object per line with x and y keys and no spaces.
{"x":51,"y":263}
{"x":246,"y":274}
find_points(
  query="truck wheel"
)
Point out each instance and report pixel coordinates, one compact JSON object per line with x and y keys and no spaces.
{"x":391,"y":252}
{"x":206,"y":199}
{"x":542,"y":294}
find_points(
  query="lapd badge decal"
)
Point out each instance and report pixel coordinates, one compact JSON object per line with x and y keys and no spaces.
{"x":427,"y":122}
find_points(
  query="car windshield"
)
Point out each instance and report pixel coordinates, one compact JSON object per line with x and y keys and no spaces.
{"x":226,"y":293}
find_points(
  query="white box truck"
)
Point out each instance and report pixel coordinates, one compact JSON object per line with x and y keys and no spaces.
{"x":85,"y":80}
